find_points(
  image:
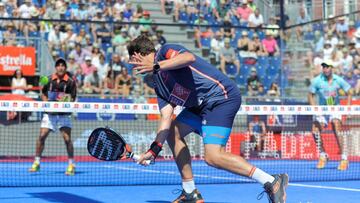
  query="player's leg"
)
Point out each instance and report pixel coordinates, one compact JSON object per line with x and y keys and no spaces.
{"x":46,"y":127}
{"x":65,"y":130}
{"x":216,"y":134}
{"x":182,"y":126}
{"x":341,"y":141}
{"x":318,"y":125}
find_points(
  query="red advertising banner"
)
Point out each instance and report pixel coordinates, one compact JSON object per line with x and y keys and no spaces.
{"x":13,"y":58}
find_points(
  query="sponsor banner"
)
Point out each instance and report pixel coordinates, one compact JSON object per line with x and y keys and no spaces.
{"x":13,"y":58}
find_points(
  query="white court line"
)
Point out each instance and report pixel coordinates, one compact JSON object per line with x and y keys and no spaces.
{"x":325,"y":187}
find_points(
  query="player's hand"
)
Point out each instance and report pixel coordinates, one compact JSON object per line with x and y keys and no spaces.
{"x":144,"y":157}
{"x":142,"y":64}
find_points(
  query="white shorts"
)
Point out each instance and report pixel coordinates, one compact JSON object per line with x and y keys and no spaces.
{"x":54,"y":122}
{"x":328,"y":118}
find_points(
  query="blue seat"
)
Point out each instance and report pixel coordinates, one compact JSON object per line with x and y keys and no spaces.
{"x":245,"y":70}
{"x":309,"y":36}
{"x":34,"y":34}
{"x":205,"y":41}
{"x":261,"y":71}
{"x":240,"y":80}
{"x":275,"y":61}
{"x":105,"y":46}
{"x":263,"y":61}
{"x":273,"y":70}
{"x":230,"y":69}
{"x":357,"y":24}
{"x":261,"y":35}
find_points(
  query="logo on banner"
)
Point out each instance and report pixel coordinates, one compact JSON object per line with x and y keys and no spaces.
{"x":282,"y":120}
{"x":13,"y":58}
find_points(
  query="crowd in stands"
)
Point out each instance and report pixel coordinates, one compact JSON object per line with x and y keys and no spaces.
{"x":98,"y":59}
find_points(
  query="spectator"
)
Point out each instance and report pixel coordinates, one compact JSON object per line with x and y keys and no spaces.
{"x":256,"y":47}
{"x":318,"y":41}
{"x":243,"y":12}
{"x":103,"y":35}
{"x":78,"y":77}
{"x":302,"y":18}
{"x":273,"y":28}
{"x":145,"y":20}
{"x":228,"y":30}
{"x":119,"y":7}
{"x":123,"y":83}
{"x":51,"y":11}
{"x":342,"y":27}
{"x":92,"y":82}
{"x":352,"y":30}
{"x":160,"y":37}
{"x":18,"y":83}
{"x":274,"y":90}
{"x":108,"y":84}
{"x":200,"y":30}
{"x":257,"y":131}
{"x":216,"y":45}
{"x":87,"y":68}
{"x":69,"y":36}
{"x":227,"y":56}
{"x":81,"y":37}
{"x":72,"y":66}
{"x":9,"y":35}
{"x":102,"y":66}
{"x":54,"y":38}
{"x":254,"y":85}
{"x":96,"y":52}
{"x":116,"y":64}
{"x":120,"y":40}
{"x":80,"y":53}
{"x":3,"y":14}
{"x":95,"y":27}
{"x":134,"y":30}
{"x":269,"y":43}
{"x":328,"y":50}
{"x":256,"y":19}
{"x":243,"y":44}
{"x":251,"y":5}
{"x":346,"y":62}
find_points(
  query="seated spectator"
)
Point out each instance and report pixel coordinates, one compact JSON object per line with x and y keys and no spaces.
{"x":102,"y":67}
{"x":121,"y":39}
{"x":123,"y":83}
{"x":54,"y":38}
{"x":81,"y":37}
{"x":243,"y":12}
{"x":273,"y":28}
{"x":96,"y":52}
{"x":116,"y":64}
{"x":257,"y":131}
{"x":128,"y":12}
{"x":103,"y":35}
{"x":18,"y":83}
{"x":274,"y":90}
{"x":69,"y":36}
{"x":80,"y":53}
{"x":87,"y":68}
{"x":227,"y":30}
{"x":256,"y":19}
{"x":119,"y":7}
{"x":145,"y":20}
{"x":9,"y":35}
{"x":270,"y":46}
{"x":346,"y":62}
{"x":254,"y":85}
{"x":134,"y":30}
{"x":352,"y":30}
{"x":342,"y":27}
{"x":228,"y":56}
{"x":92,"y":83}
{"x":251,"y":5}
{"x":256,"y":47}
{"x":217,"y":44}
{"x":199,"y":31}
{"x":78,"y":78}
{"x":71,"y":64}
{"x":302,"y":18}
{"x":3,"y":14}
{"x":243,"y":44}
{"x":160,"y":37}
{"x":108,"y":84}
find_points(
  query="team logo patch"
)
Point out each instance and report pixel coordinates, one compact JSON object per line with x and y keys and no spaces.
{"x":179,"y":95}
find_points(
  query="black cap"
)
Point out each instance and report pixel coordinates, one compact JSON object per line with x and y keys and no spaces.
{"x":60,"y":61}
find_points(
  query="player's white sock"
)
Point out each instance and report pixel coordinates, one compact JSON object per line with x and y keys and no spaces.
{"x":344,"y":157}
{"x":37,"y":159}
{"x":260,"y":176}
{"x":188,"y":186}
{"x":71,"y":161}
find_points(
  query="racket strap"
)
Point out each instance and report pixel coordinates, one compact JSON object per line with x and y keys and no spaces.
{"x":155,"y":148}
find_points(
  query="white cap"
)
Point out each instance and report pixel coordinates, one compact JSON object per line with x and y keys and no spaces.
{"x":87,"y":58}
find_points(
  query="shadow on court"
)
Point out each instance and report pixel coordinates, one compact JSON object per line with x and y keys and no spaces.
{"x":62,"y":197}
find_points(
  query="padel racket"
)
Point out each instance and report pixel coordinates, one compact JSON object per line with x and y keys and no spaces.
{"x":107,"y":145}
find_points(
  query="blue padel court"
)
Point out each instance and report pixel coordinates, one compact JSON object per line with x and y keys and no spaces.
{"x":128,"y":182}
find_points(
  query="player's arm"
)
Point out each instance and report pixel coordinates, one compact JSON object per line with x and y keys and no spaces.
{"x":311,"y":94}
{"x":263,"y":128}
{"x":44,"y":92}
{"x":347,"y":88}
{"x":179,"y":61}
{"x":165,"y":122}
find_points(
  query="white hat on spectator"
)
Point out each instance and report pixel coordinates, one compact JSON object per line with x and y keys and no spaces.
{"x":96,"y":45}
{"x":2,"y":4}
{"x":27,"y":1}
{"x":327,"y":42}
{"x":71,"y":56}
{"x":87,"y":58}
{"x":351,"y":23}
{"x":357,"y":33}
{"x":244,"y":33}
{"x":331,"y":16}
{"x":34,"y":12}
{"x":268,"y":32}
{"x":244,"y":1}
{"x":123,"y":29}
{"x":99,"y":10}
{"x":341,"y":42}
{"x":227,"y":40}
{"x":69,"y":27}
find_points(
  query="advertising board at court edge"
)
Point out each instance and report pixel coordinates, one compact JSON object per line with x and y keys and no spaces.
{"x":13,"y":58}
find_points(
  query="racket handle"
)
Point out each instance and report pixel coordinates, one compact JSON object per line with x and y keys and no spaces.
{"x":136,"y":157}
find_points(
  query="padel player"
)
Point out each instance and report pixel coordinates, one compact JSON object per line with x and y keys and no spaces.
{"x":327,"y":86}
{"x":211,"y":101}
{"x":60,"y":88}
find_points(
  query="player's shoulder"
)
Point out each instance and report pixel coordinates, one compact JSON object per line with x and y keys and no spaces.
{"x":337,"y":77}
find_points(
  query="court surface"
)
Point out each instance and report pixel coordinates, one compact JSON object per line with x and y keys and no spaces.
{"x":52,"y":173}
